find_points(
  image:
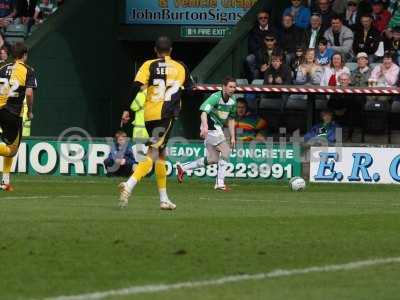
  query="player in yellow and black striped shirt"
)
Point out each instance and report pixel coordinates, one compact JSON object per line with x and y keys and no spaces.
{"x":164,"y":79}
{"x":17,"y":82}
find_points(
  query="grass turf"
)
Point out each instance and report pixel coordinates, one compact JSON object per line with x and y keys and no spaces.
{"x":65,"y":236}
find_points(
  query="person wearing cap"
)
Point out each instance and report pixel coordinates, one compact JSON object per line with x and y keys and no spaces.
{"x":325,"y":131}
{"x":340,"y":38}
{"x":264,"y":55}
{"x":300,"y":13}
{"x":361,"y":75}
{"x":315,"y":32}
{"x":380,"y":15}
{"x":366,"y":38}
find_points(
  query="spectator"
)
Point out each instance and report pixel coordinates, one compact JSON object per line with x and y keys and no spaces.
{"x":392,"y":44}
{"x":26,"y":11}
{"x":380,"y":15}
{"x":324,"y":131}
{"x":366,"y":38}
{"x":395,"y":12}
{"x":340,"y":38}
{"x":300,"y":14}
{"x":361,"y":75}
{"x":264,"y":55}
{"x":297,"y":60}
{"x":278,"y":73}
{"x":249,"y":127}
{"x":324,"y":54}
{"x":8,"y":12}
{"x":352,"y":17}
{"x":120,"y":161}
{"x":3,"y":55}
{"x":385,"y":74}
{"x":309,"y":72}
{"x":43,"y":11}
{"x":256,"y":41}
{"x":331,"y":74}
{"x":325,"y":10}
{"x":339,"y":6}
{"x":314,"y":34}
{"x":291,"y":36}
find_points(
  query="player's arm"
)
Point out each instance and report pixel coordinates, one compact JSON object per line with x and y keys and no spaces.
{"x":29,"y":102}
{"x":31,"y":84}
{"x":204,"y":125}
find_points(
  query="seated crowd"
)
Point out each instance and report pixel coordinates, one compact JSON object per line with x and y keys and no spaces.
{"x":329,"y":43}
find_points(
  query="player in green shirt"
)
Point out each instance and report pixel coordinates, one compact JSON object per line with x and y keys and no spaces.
{"x":217,"y":111}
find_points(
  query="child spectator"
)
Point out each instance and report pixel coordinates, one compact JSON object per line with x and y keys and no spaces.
{"x":324,"y":131}
{"x":297,"y":60}
{"x":121,"y":160}
{"x":249,"y":127}
{"x":332,"y":73}
{"x":361,"y":75}
{"x":264,"y":55}
{"x":366,"y":38}
{"x":300,"y":14}
{"x":324,"y":54}
{"x":278,"y":73}
{"x":340,"y":38}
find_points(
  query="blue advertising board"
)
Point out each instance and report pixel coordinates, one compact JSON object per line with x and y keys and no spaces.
{"x":186,"y":12}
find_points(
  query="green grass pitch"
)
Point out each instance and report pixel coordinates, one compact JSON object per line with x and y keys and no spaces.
{"x":66,"y":236}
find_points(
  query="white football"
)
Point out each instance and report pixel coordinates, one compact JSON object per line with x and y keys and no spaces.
{"x":297,"y":184}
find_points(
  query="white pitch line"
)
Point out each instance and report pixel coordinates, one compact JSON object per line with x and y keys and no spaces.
{"x":146,"y":289}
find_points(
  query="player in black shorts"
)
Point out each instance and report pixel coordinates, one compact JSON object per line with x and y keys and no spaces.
{"x":164,"y":78}
{"x":17,"y":82}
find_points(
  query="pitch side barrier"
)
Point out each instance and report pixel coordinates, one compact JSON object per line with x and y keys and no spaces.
{"x":310,"y":91}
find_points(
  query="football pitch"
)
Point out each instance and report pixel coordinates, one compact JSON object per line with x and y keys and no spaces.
{"x":67,"y":237}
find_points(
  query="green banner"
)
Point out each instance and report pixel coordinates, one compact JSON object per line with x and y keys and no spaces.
{"x":252,"y":161}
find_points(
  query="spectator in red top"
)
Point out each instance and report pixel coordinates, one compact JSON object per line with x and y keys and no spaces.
{"x":380,"y":15}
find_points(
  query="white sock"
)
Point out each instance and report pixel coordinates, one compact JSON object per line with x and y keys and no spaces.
{"x":222,"y":164}
{"x":6,"y":178}
{"x":194,"y":164}
{"x":131,"y":183}
{"x":163,"y":195}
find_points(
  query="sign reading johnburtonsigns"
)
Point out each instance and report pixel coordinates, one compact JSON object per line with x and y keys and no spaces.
{"x":186,"y":12}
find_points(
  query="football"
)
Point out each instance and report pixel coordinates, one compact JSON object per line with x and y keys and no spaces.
{"x":297,"y":184}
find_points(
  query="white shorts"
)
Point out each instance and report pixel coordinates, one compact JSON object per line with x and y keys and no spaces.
{"x":215,"y":137}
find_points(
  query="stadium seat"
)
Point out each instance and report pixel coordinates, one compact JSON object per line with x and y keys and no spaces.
{"x":297,"y":102}
{"x":352,"y":66}
{"x":15,"y":33}
{"x":242,"y":81}
{"x":258,"y":82}
{"x":376,"y":119}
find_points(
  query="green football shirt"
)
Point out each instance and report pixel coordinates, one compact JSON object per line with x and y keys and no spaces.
{"x":218,"y":111}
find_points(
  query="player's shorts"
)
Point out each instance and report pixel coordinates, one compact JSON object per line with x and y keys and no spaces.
{"x":159,"y":132}
{"x":11,"y":126}
{"x":215,"y":137}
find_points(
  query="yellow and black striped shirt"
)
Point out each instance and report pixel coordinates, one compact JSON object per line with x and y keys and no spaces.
{"x":15,"y":78}
{"x":164,"y":78}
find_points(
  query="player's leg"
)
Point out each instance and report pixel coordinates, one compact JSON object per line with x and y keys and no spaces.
{"x":161,"y":178}
{"x":223,"y":161}
{"x":11,"y":136}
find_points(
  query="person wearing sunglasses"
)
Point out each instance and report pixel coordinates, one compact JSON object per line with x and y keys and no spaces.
{"x":256,"y":42}
{"x":300,"y":14}
{"x":264,"y":55}
{"x":352,"y":18}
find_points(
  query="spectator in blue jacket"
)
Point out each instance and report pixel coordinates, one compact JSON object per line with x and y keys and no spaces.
{"x":324,"y":131}
{"x":300,"y":13}
{"x":121,"y":160}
